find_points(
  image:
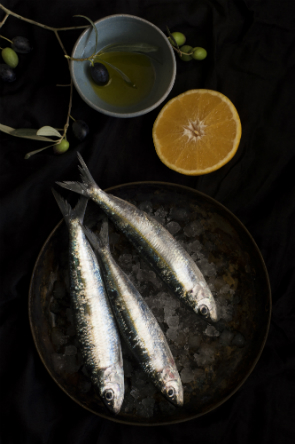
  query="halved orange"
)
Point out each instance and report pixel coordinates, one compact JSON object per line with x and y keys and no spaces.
{"x":197,"y":132}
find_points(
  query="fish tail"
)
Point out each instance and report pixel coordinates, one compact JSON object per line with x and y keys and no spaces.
{"x":80,"y":208}
{"x":88,"y":183}
{"x":100,"y":241}
{"x":67,"y":211}
{"x":104,"y":232}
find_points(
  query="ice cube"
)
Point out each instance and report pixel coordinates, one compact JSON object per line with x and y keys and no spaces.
{"x":207,"y":268}
{"x":153,"y":279}
{"x":162,"y":299}
{"x":226,"y":337}
{"x":179,"y":213}
{"x":160,"y":215}
{"x":225,"y":311}
{"x":194,"y":342}
{"x":211,"y":331}
{"x":204,"y":356}
{"x":239,"y":340}
{"x":194,"y":247}
{"x":168,"y":312}
{"x":58,"y":362}
{"x":146,"y":206}
{"x":172,"y":321}
{"x":173,"y":227}
{"x":186,"y":375}
{"x":172,"y":334}
{"x":194,"y":228}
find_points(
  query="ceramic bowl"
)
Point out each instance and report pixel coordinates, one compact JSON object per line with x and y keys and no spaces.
{"x":123,"y":28}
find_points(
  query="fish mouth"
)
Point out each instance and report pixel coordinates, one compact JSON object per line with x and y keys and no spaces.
{"x":115,"y":404}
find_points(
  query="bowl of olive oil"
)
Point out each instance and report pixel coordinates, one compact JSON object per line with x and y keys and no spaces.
{"x":140,"y":63}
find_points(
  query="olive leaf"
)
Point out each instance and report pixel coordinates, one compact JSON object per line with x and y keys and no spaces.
{"x":25,"y":133}
{"x":48,"y":131}
{"x":93,"y":26}
{"x":121,"y":73}
{"x":140,"y":48}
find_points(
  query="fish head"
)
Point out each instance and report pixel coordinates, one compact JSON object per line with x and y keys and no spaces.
{"x":111,"y":387}
{"x":203,"y":302}
{"x":171,"y":385}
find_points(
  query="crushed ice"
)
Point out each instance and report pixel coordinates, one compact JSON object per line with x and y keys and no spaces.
{"x":192,"y":339}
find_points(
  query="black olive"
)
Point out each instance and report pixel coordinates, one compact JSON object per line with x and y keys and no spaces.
{"x":7,"y":74}
{"x":99,"y":73}
{"x":80,"y":129}
{"x":21,"y":45}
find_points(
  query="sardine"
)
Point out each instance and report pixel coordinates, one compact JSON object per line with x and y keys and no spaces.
{"x":137,"y":324}
{"x":159,"y":248}
{"x":94,"y":320}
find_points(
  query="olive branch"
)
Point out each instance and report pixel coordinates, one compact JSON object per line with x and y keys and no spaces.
{"x":42,"y":133}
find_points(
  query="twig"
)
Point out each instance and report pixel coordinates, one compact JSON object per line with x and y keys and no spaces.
{"x":55,"y":30}
{"x":4,"y":20}
{"x":71,"y":85}
{"x":50,"y":28}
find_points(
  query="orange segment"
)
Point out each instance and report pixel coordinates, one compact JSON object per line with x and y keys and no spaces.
{"x":197,"y":132}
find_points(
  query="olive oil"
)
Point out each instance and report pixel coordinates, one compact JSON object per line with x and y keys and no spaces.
{"x":139,"y":69}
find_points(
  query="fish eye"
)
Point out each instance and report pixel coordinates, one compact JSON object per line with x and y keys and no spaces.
{"x":170,"y":392}
{"x":109,"y":395}
{"x":204,"y":310}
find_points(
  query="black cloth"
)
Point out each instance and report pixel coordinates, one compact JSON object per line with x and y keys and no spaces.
{"x":251,"y":59}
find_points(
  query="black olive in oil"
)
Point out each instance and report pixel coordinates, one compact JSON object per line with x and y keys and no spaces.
{"x":137,"y":67}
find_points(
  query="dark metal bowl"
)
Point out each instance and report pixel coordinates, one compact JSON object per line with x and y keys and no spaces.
{"x":214,"y":360}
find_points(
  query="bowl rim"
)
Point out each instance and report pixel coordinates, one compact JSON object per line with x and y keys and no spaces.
{"x":126,"y":114}
{"x":268,"y":306}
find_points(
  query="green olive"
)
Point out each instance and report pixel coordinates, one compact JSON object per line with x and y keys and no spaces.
{"x":199,"y":53}
{"x":178,"y":37}
{"x":61,"y":147}
{"x":186,"y":49}
{"x":10,"y":57}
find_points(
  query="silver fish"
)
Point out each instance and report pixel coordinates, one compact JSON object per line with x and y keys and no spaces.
{"x":94,"y":321}
{"x":137,"y":324}
{"x":160,"y":249}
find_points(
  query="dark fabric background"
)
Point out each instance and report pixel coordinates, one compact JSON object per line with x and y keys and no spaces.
{"x":251,"y":59}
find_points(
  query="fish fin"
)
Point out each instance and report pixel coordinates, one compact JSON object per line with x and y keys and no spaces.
{"x":101,"y":240}
{"x":86,"y":176}
{"x":104,"y":232}
{"x":93,"y":239}
{"x":88,"y":183}
{"x":67,"y":211}
{"x":64,"y":206}
{"x":77,"y":187}
{"x":80,"y":208}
